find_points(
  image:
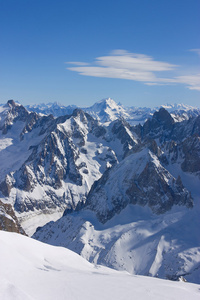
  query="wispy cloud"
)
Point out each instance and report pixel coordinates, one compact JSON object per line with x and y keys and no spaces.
{"x":192,"y":81}
{"x":133,"y":66}
{"x":77,"y":63}
{"x":195,"y":50}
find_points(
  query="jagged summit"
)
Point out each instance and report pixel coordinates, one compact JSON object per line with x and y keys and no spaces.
{"x":106,"y":110}
{"x":11,"y":103}
{"x":161,"y":120}
{"x":108,"y":101}
{"x":163,"y":116}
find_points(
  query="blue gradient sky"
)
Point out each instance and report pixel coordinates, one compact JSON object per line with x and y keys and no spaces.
{"x":40,"y":39}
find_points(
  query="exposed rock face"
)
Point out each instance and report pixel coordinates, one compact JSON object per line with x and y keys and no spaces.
{"x":162,"y":194}
{"x":138,"y":179}
{"x":163,"y":127}
{"x":6,"y":186}
{"x":191,"y":152}
{"x":16,"y":112}
{"x":179,"y":142}
{"x":161,"y":121}
{"x":122,"y":130}
{"x":8,"y":219}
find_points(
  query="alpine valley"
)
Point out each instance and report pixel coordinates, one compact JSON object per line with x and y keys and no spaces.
{"x":119,"y":186}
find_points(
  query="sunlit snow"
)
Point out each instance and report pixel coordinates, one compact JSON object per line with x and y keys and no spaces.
{"x":33,"y":270}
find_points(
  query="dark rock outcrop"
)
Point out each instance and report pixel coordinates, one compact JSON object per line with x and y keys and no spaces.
{"x":8,"y":219}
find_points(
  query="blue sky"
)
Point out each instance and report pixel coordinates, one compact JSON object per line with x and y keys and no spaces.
{"x":138,"y":52}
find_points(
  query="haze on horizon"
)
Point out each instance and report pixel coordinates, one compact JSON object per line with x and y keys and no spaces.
{"x":140,"y":53}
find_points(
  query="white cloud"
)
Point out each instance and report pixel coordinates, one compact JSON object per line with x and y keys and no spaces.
{"x":134,"y":62}
{"x":133,"y":66}
{"x":111,"y":72}
{"x":119,"y":52}
{"x":192,"y":81}
{"x":77,"y":63}
{"x":195,"y":50}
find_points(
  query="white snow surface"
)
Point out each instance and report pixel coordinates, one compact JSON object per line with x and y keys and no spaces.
{"x":136,"y":240}
{"x":33,"y":270}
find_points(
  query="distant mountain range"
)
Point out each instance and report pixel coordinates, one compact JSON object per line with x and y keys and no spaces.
{"x":118,"y":194}
{"x":107,"y":110}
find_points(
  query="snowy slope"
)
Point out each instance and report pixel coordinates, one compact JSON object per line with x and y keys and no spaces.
{"x":32,"y":270}
{"x":165,"y":246}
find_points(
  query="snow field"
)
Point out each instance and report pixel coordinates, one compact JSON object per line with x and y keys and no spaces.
{"x":33,"y":270}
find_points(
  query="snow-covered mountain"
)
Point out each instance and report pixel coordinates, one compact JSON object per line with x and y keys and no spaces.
{"x":181,"y":112}
{"x":123,"y":190}
{"x":54,"y":108}
{"x":107,"y":110}
{"x":50,"y":164}
{"x":33,"y":270}
{"x":136,"y":215}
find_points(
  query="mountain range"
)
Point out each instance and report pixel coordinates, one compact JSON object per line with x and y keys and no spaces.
{"x":108,"y":110}
{"x":119,"y":186}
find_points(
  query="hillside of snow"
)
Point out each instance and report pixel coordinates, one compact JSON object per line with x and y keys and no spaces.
{"x":164,"y":246}
{"x":33,"y":270}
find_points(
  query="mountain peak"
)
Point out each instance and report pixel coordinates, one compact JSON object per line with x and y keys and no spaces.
{"x":106,"y":102}
{"x":11,"y":103}
{"x":107,"y":110}
{"x":163,"y":116}
{"x":109,"y":101}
